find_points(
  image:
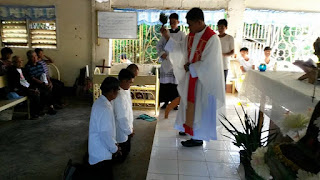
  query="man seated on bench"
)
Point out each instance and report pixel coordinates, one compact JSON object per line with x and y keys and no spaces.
{"x":5,"y":60}
{"x":58,"y":86}
{"x":38,"y":79}
{"x":17,"y":83}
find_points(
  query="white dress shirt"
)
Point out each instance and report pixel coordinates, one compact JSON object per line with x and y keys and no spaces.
{"x":123,"y":114}
{"x":102,"y":131}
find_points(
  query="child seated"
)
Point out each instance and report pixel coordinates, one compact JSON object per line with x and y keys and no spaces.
{"x":268,"y":60}
{"x":246,"y":63}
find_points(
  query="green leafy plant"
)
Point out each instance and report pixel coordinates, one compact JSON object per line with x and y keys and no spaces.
{"x":250,"y":137}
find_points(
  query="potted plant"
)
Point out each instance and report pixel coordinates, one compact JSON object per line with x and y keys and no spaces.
{"x":249,"y":138}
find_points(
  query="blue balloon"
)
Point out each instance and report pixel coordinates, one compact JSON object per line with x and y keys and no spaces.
{"x":263,"y":67}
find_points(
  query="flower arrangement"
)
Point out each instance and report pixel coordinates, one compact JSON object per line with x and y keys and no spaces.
{"x":304,"y":175}
{"x":250,"y":138}
{"x":294,"y":123}
{"x":258,"y":163}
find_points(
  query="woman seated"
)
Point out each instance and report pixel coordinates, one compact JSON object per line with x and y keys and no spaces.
{"x":17,"y":83}
{"x":38,"y":79}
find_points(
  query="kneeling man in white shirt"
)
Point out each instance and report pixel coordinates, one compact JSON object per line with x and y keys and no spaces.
{"x":102,"y":131}
{"x":123,"y":114}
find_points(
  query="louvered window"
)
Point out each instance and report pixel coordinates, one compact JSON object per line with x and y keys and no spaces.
{"x":43,"y":34}
{"x":14,"y":33}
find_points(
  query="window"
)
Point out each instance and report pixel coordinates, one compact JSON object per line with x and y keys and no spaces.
{"x":28,"y":26}
{"x":43,"y":34}
{"x":34,"y":34}
{"x":14,"y":33}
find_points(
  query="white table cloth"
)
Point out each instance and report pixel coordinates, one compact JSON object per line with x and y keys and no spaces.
{"x":279,"y":92}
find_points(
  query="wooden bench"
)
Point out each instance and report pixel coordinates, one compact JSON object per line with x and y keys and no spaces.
{"x":146,"y":86}
{"x":5,"y":104}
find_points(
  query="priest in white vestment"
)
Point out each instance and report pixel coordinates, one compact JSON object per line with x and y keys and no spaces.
{"x":197,"y":65}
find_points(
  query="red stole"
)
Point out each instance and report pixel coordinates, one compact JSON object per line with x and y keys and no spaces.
{"x":208,"y":33}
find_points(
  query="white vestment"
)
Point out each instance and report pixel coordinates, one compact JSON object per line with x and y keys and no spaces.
{"x":123,"y":115}
{"x":210,"y":87}
{"x":166,"y":72}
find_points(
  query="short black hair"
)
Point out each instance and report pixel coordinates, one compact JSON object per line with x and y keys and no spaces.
{"x":267,"y":48}
{"x":244,"y":49}
{"x":38,"y":50}
{"x":133,"y":68}
{"x":109,"y":84}
{"x":5,"y":51}
{"x":174,"y":16}
{"x":123,"y":56}
{"x":29,"y":54}
{"x":125,"y":74}
{"x":223,"y":22}
{"x":195,"y":14}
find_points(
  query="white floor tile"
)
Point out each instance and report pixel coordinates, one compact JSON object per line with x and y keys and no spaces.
{"x":232,"y":147}
{"x":183,"y":177}
{"x":151,"y":176}
{"x":164,"y":153}
{"x":166,"y":133}
{"x":216,"y":145}
{"x":165,"y":142}
{"x":191,"y":154}
{"x":218,"y":156}
{"x":223,"y":170}
{"x":163,"y":166}
{"x":235,"y":157}
{"x":193,"y":168}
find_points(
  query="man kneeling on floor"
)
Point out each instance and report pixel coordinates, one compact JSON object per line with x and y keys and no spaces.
{"x":102,"y":137}
{"x":123,"y":114}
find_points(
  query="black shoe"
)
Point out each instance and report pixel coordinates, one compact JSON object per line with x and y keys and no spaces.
{"x":164,"y":106}
{"x":182,"y":133}
{"x":192,"y":143}
{"x":51,"y":111}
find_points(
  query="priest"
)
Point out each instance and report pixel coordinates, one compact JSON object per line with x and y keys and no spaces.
{"x":197,"y":65}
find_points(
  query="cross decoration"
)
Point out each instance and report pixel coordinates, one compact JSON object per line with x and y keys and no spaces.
{"x":103,"y":66}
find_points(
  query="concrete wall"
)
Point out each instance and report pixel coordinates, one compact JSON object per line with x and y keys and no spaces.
{"x":73,"y":33}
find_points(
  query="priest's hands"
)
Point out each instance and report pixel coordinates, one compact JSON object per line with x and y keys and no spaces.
{"x":165,"y":33}
{"x":186,"y":66}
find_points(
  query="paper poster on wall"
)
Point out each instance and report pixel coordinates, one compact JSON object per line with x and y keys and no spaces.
{"x":117,"y":25}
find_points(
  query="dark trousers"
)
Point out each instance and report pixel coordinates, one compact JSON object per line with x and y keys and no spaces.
{"x":34,"y":100}
{"x":225,"y":76}
{"x":100,"y":171}
{"x":168,"y":92}
{"x":125,"y":149}
{"x":57,"y":90}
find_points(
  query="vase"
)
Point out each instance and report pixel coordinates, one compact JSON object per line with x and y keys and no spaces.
{"x":250,"y":174}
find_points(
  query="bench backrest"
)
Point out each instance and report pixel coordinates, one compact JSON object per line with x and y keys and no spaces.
{"x":3,"y":81}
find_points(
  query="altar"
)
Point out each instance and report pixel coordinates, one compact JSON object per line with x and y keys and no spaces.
{"x":279,"y":92}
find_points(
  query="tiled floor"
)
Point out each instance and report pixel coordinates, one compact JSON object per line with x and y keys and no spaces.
{"x":215,"y":160}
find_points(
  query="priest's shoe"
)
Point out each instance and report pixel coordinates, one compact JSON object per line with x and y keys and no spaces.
{"x":192,"y":142}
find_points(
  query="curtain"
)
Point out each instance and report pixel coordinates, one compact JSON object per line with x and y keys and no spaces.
{"x":34,"y":13}
{"x":289,"y":18}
